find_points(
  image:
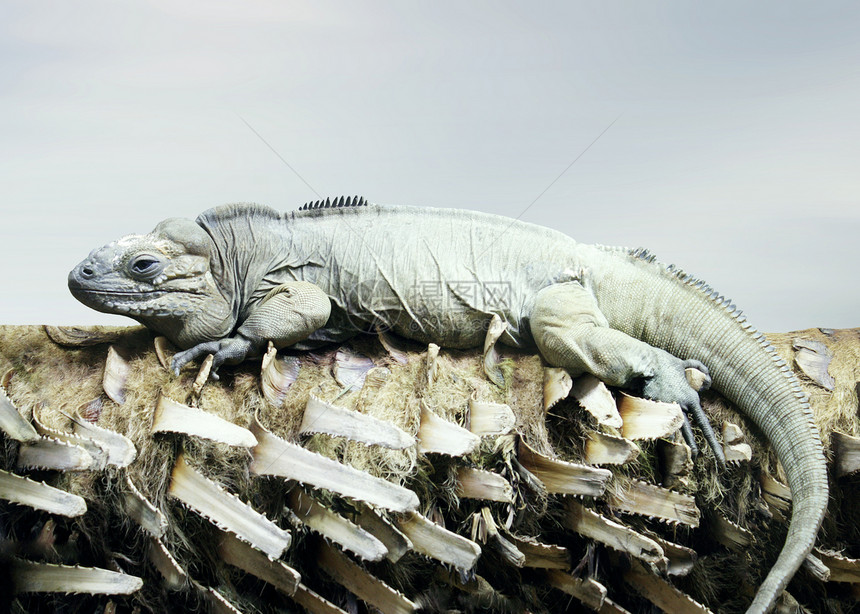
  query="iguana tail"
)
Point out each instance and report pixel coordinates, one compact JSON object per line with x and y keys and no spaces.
{"x":691,"y":321}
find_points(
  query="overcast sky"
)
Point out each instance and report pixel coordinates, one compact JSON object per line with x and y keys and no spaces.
{"x":734,"y":151}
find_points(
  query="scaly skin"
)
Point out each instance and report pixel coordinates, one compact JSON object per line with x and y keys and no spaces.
{"x":244,"y":275}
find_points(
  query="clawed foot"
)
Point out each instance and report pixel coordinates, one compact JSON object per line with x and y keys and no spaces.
{"x":670,"y":385}
{"x":695,"y":410}
{"x":231,"y":350}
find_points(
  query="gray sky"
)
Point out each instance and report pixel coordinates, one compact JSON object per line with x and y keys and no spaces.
{"x":735,"y":153}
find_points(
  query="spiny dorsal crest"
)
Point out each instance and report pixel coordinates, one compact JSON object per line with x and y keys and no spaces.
{"x":689,"y":280}
{"x":328,"y":203}
{"x":643,"y":254}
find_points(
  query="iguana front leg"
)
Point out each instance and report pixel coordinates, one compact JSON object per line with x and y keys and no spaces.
{"x":287,"y":314}
{"x":571,"y":332}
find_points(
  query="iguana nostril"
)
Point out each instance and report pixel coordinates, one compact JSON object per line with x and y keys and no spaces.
{"x":87,"y":272}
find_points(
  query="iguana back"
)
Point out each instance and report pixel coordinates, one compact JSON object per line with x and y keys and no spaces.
{"x":433,"y":275}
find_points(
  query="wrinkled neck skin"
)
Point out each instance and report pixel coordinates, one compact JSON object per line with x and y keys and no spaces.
{"x":194,"y":318}
{"x":255,"y":250}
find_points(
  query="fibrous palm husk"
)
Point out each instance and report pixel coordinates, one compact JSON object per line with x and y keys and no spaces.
{"x":308,"y":512}
{"x":846,"y":453}
{"x":174,"y":576}
{"x":361,"y":583}
{"x":495,"y":503}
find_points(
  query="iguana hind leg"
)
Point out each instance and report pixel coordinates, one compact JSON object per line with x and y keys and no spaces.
{"x":571,"y":332}
{"x":287,"y":315}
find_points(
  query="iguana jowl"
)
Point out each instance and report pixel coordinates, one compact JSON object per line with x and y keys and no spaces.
{"x":244,"y":275}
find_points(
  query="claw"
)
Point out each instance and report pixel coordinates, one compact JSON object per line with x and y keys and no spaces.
{"x":179,"y":361}
{"x":689,"y":438}
{"x":221,"y":357}
{"x":217,"y":361}
{"x":703,"y":423}
{"x":183,"y":358}
{"x":176,"y":364}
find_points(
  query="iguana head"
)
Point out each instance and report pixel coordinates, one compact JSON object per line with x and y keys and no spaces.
{"x":162,"y":279}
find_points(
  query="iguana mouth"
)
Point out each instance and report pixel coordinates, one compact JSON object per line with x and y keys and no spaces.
{"x":142,"y":303}
{"x":133,"y":294}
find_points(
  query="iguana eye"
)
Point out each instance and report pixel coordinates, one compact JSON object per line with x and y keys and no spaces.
{"x":145,"y":265}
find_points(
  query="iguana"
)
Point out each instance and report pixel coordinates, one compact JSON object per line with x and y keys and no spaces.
{"x":243,"y":275}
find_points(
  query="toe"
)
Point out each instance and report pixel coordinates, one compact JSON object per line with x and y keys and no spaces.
{"x":698,"y":414}
{"x":689,"y":438}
